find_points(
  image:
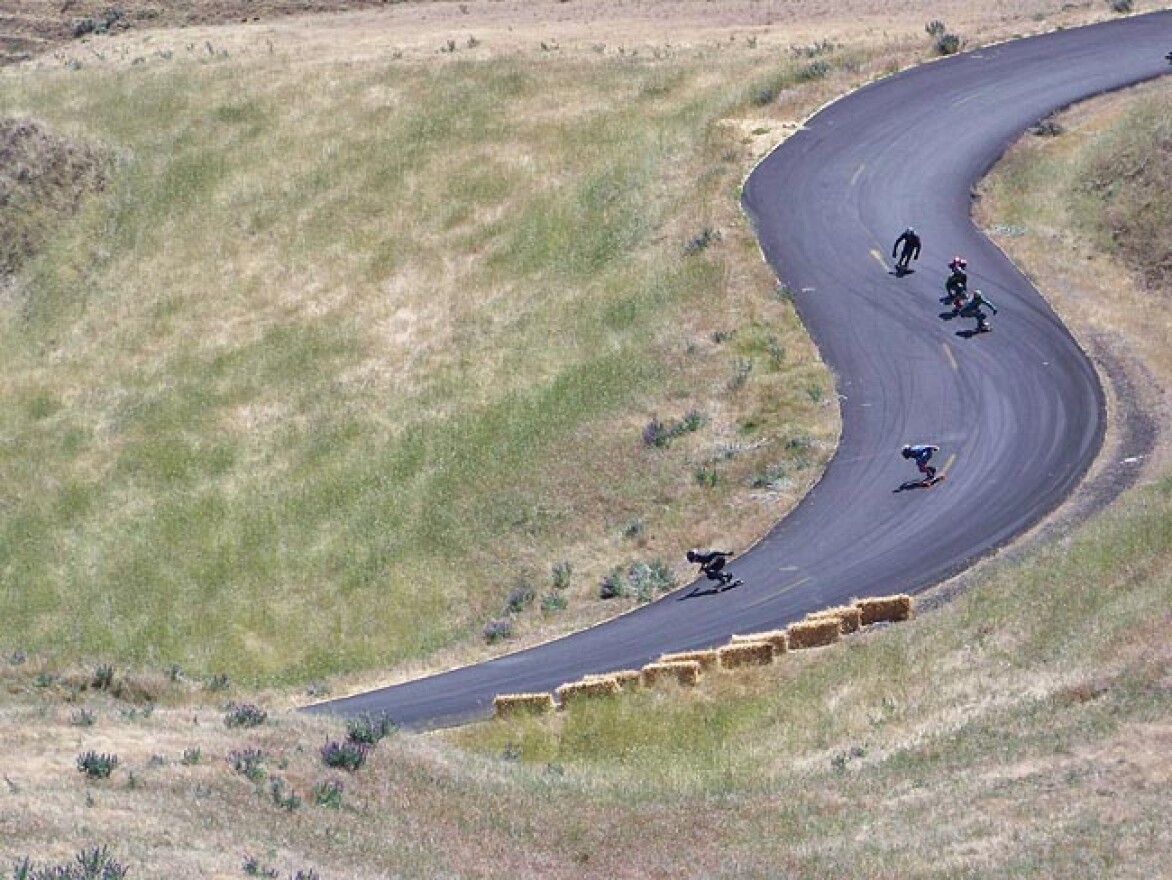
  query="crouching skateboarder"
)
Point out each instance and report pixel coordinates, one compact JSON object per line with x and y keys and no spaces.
{"x":712,"y":564}
{"x":922,"y":453}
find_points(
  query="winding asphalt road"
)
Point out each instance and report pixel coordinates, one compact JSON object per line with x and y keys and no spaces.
{"x":1018,"y":413}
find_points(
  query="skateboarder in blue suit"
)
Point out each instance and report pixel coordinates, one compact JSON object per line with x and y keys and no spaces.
{"x":922,"y":453}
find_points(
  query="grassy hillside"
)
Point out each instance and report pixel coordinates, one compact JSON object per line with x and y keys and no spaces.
{"x":332,"y":367}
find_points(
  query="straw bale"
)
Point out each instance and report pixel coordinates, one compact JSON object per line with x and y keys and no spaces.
{"x":746,"y":654}
{"x":595,"y":686}
{"x":779,"y":638}
{"x":849,"y":617}
{"x":628,"y":679}
{"x":708,"y":660}
{"x":522,"y":704}
{"x":814,"y":633}
{"x":880,"y":609}
{"x":686,"y":672}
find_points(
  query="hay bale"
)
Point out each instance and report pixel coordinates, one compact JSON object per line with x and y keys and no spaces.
{"x":685,"y":672}
{"x":595,"y":686}
{"x":889,"y":609}
{"x":746,"y":654}
{"x":628,"y":679}
{"x":813,"y":633}
{"x":849,"y":617}
{"x":708,"y":660}
{"x":505,"y":705}
{"x":779,"y":638}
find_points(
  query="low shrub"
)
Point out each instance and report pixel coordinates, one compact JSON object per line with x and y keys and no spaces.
{"x":369,"y":729}
{"x":344,"y":755}
{"x":96,"y":765}
{"x":329,"y":794}
{"x":249,"y":763}
{"x":94,"y":863}
{"x":286,"y":800}
{"x":498,"y":629}
{"x":245,"y":715}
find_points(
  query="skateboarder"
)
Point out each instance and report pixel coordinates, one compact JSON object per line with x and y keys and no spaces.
{"x":957,"y":285}
{"x":973,"y":310}
{"x":910,"y":241}
{"x":922,"y":453}
{"x":712,"y":562}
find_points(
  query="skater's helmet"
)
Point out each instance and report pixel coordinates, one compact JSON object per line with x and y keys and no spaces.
{"x":906,"y":452}
{"x":958,"y":263}
{"x":691,"y":556}
{"x":911,"y":230}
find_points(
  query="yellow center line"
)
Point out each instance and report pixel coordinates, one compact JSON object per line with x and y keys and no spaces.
{"x":780,"y":592}
{"x":951,"y":358}
{"x":858,"y":173}
{"x":878,"y":256}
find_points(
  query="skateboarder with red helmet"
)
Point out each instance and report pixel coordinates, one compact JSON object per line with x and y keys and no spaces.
{"x":957,"y":285}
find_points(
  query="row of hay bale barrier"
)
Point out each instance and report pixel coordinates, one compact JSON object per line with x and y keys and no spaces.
{"x":684,"y":668}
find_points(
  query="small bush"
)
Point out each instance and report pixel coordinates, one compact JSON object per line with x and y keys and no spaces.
{"x":1047,"y":128}
{"x":89,"y":864}
{"x":498,"y":629}
{"x":641,"y":581}
{"x":191,"y":757}
{"x":345,"y":756}
{"x":655,"y":433}
{"x":659,"y":434}
{"x":814,"y":70}
{"x":329,"y":794}
{"x":369,"y":729}
{"x":935,"y":28}
{"x":706,"y":475}
{"x":520,"y":597}
{"x":253,"y":867}
{"x":219,"y":682}
{"x":553,"y":602}
{"x":1121,"y":6}
{"x":947,"y":44}
{"x":96,"y":765}
{"x":701,"y":240}
{"x":560,"y":575}
{"x":103,"y":677}
{"x":611,"y":586}
{"x":82,"y":718}
{"x":741,"y":370}
{"x":286,"y":800}
{"x":249,"y":763}
{"x":245,"y":715}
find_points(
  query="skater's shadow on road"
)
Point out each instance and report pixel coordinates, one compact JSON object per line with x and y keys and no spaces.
{"x":899,"y":272}
{"x":969,"y":334}
{"x":908,"y":486}
{"x":948,"y":316}
{"x":707,"y":590}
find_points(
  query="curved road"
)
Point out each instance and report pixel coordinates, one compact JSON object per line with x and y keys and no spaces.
{"x":1018,"y":413}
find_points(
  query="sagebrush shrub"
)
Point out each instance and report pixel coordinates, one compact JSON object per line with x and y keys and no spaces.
{"x":249,"y":763}
{"x":96,"y":765}
{"x":94,"y":863}
{"x":369,"y":729}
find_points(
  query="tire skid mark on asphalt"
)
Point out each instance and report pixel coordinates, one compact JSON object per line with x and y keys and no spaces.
{"x":858,"y":173}
{"x":951,"y":357}
{"x":879,"y":257}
